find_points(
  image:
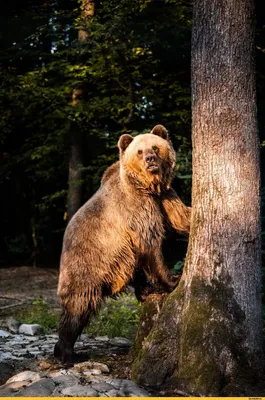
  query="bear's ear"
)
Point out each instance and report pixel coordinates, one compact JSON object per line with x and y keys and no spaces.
{"x":160,"y":130}
{"x":124,"y":142}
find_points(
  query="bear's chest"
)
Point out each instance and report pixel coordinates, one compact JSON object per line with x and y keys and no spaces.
{"x":146,"y":225}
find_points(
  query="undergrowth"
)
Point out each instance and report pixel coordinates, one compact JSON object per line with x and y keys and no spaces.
{"x":118,"y":317}
{"x":40,"y":313}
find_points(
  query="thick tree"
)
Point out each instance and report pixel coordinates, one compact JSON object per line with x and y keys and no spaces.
{"x":208,"y":337}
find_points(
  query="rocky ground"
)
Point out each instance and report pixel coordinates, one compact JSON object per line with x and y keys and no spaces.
{"x":31,"y":353}
{"x":27,"y":367}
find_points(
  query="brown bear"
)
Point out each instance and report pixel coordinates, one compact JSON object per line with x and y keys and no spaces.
{"x":118,"y":232}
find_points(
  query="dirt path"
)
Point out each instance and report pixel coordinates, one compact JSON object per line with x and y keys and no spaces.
{"x":21,"y":285}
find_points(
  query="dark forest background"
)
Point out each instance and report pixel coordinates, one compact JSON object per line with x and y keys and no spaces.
{"x":132,"y":70}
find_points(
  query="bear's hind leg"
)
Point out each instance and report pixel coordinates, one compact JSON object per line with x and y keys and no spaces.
{"x":76,"y":312}
{"x":70,"y":327}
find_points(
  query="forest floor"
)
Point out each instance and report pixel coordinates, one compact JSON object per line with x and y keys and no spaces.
{"x":20,"y":286}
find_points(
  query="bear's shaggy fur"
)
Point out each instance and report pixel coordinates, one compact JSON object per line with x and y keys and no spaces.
{"x":118,"y":232}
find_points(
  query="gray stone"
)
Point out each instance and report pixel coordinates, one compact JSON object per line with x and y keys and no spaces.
{"x":113,"y":393}
{"x":84,"y":336}
{"x":65,"y":380}
{"x":20,"y":352}
{"x":8,"y":390}
{"x":41,"y":388}
{"x":25,"y":376}
{"x":4,"y":334}
{"x":53,"y":337}
{"x":13,"y":324}
{"x":102,"y":338}
{"x":120,"y":342}
{"x":117,"y":383}
{"x":7,"y":356}
{"x":102,"y":386}
{"x":36,"y":353}
{"x":79,"y":391}
{"x":129,"y":388}
{"x":31,"y":329}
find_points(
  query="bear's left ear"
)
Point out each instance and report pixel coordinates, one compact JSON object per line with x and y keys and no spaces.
{"x":124,"y":142}
{"x":160,"y":130}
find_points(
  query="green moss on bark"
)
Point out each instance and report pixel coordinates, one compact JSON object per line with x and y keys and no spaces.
{"x":198,"y":343}
{"x":211,"y":332}
{"x":153,"y":362}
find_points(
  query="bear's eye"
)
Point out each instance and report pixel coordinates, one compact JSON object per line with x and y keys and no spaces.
{"x":155,"y":148}
{"x":140,"y":152}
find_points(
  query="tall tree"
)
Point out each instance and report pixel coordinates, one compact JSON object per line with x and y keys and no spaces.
{"x":208,"y":337}
{"x":77,"y":151}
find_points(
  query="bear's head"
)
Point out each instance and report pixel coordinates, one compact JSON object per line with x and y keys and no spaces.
{"x":147,"y":161}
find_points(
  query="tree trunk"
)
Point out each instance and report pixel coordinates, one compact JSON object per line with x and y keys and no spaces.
{"x":208,"y":337}
{"x":76,"y":158}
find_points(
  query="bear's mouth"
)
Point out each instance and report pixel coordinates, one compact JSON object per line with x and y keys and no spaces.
{"x":154,"y":168}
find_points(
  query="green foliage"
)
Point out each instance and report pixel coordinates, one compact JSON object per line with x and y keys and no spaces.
{"x":133,"y":70}
{"x":118,"y":317}
{"x":178,"y":267}
{"x":40,"y":313}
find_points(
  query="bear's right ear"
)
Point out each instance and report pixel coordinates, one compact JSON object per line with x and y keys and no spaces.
{"x":124,"y":142}
{"x":160,"y":130}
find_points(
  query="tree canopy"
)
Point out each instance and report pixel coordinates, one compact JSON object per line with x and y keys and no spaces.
{"x":134,"y":70}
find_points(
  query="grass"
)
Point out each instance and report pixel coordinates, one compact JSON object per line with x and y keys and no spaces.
{"x":116,"y":318}
{"x":39,"y":313}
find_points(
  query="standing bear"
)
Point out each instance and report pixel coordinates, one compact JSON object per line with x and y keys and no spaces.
{"x":119,"y":232}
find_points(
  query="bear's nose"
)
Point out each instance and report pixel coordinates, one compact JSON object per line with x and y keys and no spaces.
{"x":150,"y":158}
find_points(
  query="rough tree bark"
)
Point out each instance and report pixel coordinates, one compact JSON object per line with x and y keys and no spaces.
{"x":76,"y":157}
{"x":208,"y":337}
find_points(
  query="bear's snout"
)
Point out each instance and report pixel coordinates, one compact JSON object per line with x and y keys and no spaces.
{"x":151,"y":162}
{"x":150,"y":158}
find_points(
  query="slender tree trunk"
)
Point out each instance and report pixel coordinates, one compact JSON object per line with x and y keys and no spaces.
{"x":76,"y":158}
{"x":208,"y":337}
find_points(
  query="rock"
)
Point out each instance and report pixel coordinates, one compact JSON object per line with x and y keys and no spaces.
{"x":95,"y":371}
{"x":79,"y":391}
{"x":129,"y":388}
{"x":10,"y":389}
{"x":92,"y":365}
{"x":41,"y":388}
{"x":4,"y":334}
{"x":66,"y":380}
{"x":120,"y":342}
{"x":85,"y":379}
{"x":25,"y":376}
{"x":21,"y":353}
{"x":102,"y":338}
{"x":45,"y":365}
{"x":31,"y":329}
{"x":117,"y":383}
{"x":13,"y":324}
{"x":36,"y":353}
{"x":102,"y":386}
{"x":113,"y":393}
{"x":7,"y":356}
